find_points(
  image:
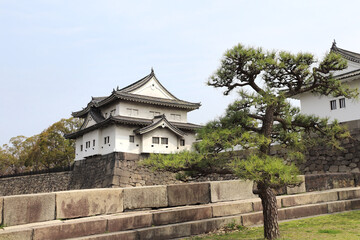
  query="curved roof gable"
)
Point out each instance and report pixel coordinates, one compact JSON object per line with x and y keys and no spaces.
{"x":160,"y":121}
{"x":353,"y":59}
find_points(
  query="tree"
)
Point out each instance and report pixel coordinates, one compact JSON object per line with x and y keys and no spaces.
{"x":262,"y":117}
{"x":46,"y":150}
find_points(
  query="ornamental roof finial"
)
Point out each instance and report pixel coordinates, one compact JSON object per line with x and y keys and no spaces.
{"x":334,"y":43}
{"x":152,"y":70}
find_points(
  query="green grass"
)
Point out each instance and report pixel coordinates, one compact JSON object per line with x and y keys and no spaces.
{"x":336,"y":226}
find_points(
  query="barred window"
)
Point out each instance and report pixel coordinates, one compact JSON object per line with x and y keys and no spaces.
{"x":131,"y":138}
{"x":164,"y":140}
{"x":342,"y":102}
{"x":333,"y":104}
{"x":182,"y":142}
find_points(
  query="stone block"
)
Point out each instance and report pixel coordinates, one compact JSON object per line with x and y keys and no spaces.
{"x":1,"y":210}
{"x":182,"y":214}
{"x":209,"y":225}
{"x":339,"y":206}
{"x":189,"y":193}
{"x":145,"y":197}
{"x":16,"y":234}
{"x":71,"y":229}
{"x":177,"y":230}
{"x":309,"y":198}
{"x":22,"y":209}
{"x":345,"y":194}
{"x":257,"y":205}
{"x":355,"y":204}
{"x":250,"y":219}
{"x":129,"y":221}
{"x":232,"y":208}
{"x":81,"y":203}
{"x":297,"y":189}
{"x":305,"y":211}
{"x":231,"y":190}
{"x":127,"y":235}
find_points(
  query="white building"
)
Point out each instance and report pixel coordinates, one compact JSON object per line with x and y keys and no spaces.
{"x":143,"y":117}
{"x":338,"y":108}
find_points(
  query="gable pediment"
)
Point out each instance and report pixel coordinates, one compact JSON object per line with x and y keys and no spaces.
{"x":153,"y":88}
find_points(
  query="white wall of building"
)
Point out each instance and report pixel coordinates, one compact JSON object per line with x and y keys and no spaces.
{"x":145,"y":111}
{"x":123,"y":143}
{"x":320,"y":106}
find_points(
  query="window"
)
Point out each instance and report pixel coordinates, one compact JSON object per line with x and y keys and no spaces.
{"x":176,"y":117}
{"x":155,"y":140}
{"x":342,"y":102}
{"x":81,"y":147}
{"x":153,"y":113}
{"x":132,"y":111}
{"x":94,"y":143}
{"x":106,"y":140}
{"x":164,"y":140}
{"x":333,"y":104}
{"x":182,"y":142}
{"x":87,"y":144}
{"x":132,"y":138}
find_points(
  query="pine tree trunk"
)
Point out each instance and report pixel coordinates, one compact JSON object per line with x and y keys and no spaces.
{"x":270,"y":212}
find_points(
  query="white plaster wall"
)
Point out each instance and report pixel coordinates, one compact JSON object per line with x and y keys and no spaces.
{"x":108,"y":147}
{"x":110,"y":107}
{"x":144,"y":111}
{"x":78,"y":153}
{"x":320,"y":106}
{"x":149,"y":147}
{"x":122,"y":143}
{"x":153,"y":89}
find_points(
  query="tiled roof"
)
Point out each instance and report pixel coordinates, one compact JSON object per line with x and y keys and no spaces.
{"x":348,"y":55}
{"x":124,"y":94}
{"x":159,"y":120}
{"x":141,"y":122}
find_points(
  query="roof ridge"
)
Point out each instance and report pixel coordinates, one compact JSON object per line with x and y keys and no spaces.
{"x":142,"y":81}
{"x":349,"y":55}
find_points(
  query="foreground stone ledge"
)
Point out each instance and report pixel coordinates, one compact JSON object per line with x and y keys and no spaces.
{"x":231,"y":190}
{"x":22,"y":209}
{"x":82,"y":203}
{"x":232,"y":208}
{"x":129,"y":221}
{"x":309,"y":198}
{"x":305,"y":211}
{"x":188,"y":194}
{"x":339,"y":206}
{"x":297,"y":189}
{"x":213,"y":224}
{"x":16,"y":234}
{"x":1,"y":210}
{"x":250,"y":219}
{"x":127,"y":235}
{"x":165,"y":232}
{"x":257,"y":205}
{"x":182,"y":214}
{"x":145,"y":197}
{"x":71,"y":229}
{"x":345,"y":194}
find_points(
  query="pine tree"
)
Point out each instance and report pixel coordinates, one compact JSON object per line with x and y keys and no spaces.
{"x":261,"y":118}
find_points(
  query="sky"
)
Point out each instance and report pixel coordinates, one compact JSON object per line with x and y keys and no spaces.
{"x":55,"y":55}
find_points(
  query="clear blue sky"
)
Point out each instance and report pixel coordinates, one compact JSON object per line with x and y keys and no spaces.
{"x":55,"y":55}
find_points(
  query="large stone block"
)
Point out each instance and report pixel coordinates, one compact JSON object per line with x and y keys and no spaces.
{"x":81,"y":203}
{"x":305,"y":211}
{"x":345,"y":194}
{"x":145,"y":197}
{"x":182,"y":214}
{"x":231,"y":190}
{"x":1,"y":210}
{"x":129,"y":221}
{"x":22,"y":209}
{"x":309,"y":198}
{"x":339,"y":206}
{"x":127,"y":235}
{"x":209,"y":225}
{"x":189,"y":193}
{"x":232,"y":208}
{"x":297,"y":189}
{"x":16,"y":234}
{"x":250,"y":219}
{"x":257,"y":205}
{"x":165,"y":232}
{"x":71,"y":229}
{"x":355,"y":204}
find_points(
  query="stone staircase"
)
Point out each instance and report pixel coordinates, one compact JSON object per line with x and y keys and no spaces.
{"x":184,"y":221}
